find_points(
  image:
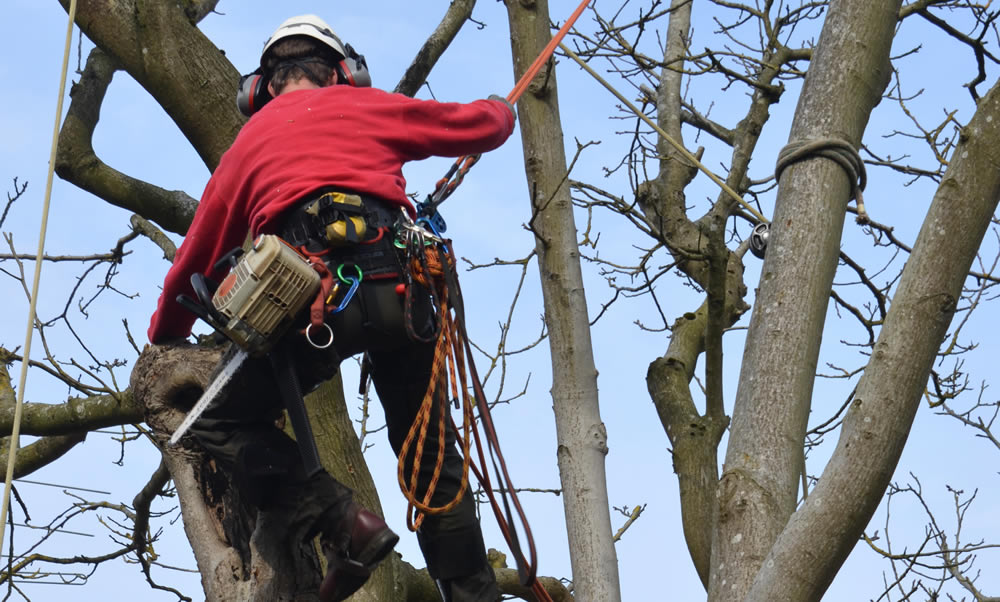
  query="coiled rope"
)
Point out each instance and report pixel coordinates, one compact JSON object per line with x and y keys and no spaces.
{"x":834,"y":149}
{"x":432,"y":267}
{"x":32,"y":305}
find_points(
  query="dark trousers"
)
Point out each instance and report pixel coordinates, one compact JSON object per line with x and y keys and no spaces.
{"x":266,"y":466}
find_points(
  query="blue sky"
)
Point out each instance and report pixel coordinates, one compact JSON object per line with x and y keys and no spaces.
{"x":485,"y":219}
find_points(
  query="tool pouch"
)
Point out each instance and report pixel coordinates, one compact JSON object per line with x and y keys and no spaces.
{"x":341,"y":216}
{"x":375,"y":318}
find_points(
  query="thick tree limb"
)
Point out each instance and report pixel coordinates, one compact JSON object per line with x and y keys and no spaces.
{"x":509,"y":584}
{"x":78,"y":415}
{"x":764,"y":457}
{"x":77,"y":162}
{"x":580,"y":432}
{"x":889,"y":393}
{"x":695,"y":438}
{"x":458,"y":13}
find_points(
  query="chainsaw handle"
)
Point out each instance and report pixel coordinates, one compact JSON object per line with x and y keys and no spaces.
{"x":229,"y":260}
{"x":197,"y":309}
{"x":204,"y":289}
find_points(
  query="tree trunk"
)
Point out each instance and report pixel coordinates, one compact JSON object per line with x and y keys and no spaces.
{"x":889,"y":392}
{"x":157,"y":44}
{"x":765,"y":457}
{"x":581,"y":435}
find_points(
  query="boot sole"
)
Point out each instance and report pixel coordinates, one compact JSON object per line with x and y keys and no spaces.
{"x":340,"y":583}
{"x":377,"y":549}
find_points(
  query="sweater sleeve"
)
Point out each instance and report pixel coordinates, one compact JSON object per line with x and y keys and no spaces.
{"x":453,"y":129}
{"x":216,"y":229}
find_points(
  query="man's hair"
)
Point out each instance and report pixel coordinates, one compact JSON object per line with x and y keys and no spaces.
{"x":295,"y":57}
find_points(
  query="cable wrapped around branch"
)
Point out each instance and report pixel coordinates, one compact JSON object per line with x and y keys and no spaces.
{"x":835,"y":149}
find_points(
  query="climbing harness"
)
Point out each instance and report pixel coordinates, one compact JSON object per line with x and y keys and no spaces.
{"x":33,"y":303}
{"x":268,"y":287}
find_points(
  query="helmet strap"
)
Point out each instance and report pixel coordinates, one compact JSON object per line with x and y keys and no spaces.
{"x":302,"y":64}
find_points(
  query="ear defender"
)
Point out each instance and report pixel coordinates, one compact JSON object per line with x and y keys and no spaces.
{"x":354,"y":69}
{"x":252,"y":93}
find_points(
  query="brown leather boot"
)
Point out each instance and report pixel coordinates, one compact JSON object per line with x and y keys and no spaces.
{"x":353,"y":553}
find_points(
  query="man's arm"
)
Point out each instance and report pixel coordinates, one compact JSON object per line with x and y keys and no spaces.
{"x":454,"y":129}
{"x":215,"y":230}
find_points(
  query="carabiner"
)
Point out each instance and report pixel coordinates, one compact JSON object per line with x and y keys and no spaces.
{"x":355,"y":282}
{"x":428,"y":223}
{"x":340,"y":274}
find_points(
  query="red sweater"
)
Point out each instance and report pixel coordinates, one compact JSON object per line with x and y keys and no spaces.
{"x":356,"y":139}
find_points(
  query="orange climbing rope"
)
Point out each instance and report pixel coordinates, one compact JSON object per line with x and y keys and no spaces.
{"x":431,"y":266}
{"x":448,"y":355}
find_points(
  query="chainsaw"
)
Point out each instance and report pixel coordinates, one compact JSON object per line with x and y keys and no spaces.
{"x":256,"y":302}
{"x":254,"y":306}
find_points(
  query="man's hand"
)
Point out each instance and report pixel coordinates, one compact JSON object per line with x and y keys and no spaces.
{"x":499,"y":98}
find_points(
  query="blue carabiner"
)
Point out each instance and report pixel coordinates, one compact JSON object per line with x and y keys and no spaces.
{"x":355,"y":282}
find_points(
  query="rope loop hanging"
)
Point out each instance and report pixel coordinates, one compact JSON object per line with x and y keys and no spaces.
{"x":454,"y":377}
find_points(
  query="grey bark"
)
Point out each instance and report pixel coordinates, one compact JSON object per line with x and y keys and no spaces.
{"x":764,"y":458}
{"x":580,"y":432}
{"x":889,"y":393}
{"x":437,"y":42}
{"x":695,"y":436}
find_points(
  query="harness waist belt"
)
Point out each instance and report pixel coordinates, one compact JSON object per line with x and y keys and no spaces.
{"x":307,"y":223}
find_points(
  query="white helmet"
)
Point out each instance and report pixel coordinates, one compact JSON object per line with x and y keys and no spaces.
{"x":351,"y":65}
{"x":307,"y":25}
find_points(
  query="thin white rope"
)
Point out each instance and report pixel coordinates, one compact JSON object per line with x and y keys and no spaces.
{"x":19,"y":404}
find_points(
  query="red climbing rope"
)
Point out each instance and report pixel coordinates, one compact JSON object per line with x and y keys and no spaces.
{"x":522,"y":84}
{"x":446,"y":185}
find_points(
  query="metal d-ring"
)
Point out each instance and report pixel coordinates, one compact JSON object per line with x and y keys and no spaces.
{"x":313,"y":343}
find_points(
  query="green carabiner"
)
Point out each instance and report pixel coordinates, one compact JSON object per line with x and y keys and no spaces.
{"x":340,"y":274}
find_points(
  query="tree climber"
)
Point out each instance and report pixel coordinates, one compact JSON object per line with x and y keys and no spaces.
{"x":292,"y":171}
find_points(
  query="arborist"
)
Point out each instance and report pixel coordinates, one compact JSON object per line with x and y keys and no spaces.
{"x":319,"y":163}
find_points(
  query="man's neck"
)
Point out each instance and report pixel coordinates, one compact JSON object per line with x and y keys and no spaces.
{"x":300,"y":84}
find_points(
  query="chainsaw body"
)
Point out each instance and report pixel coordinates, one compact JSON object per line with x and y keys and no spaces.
{"x":260,"y":297}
